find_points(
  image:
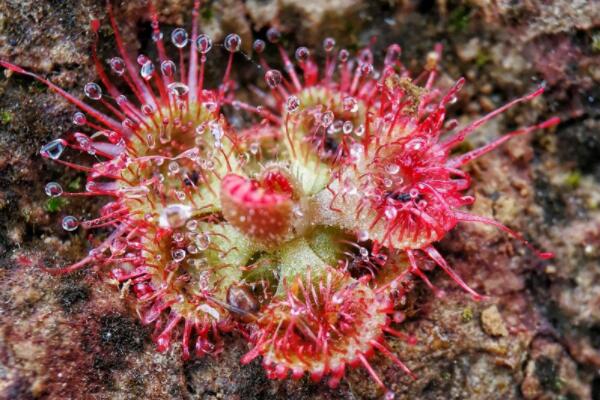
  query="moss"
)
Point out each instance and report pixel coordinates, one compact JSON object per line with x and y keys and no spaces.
{"x":5,"y":117}
{"x":573,"y":179}
{"x":206,"y":13}
{"x":482,"y":58}
{"x":55,"y":204}
{"x":462,"y":148}
{"x":75,"y":184}
{"x":596,"y":42}
{"x":36,"y":87}
{"x":467,"y":314}
{"x":459,"y":19}
{"x":446,"y":376}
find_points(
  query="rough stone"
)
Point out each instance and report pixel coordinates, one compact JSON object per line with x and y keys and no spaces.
{"x":492,"y":322}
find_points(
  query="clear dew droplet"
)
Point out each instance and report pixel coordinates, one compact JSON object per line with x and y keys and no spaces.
{"x":259,"y":46}
{"x":168,"y":68}
{"x":415,"y":144}
{"x":364,"y":253}
{"x":392,"y":54}
{"x":337,"y":298}
{"x":232,"y":42}
{"x":302,"y":54}
{"x":200,"y":129}
{"x":173,"y":167}
{"x":53,"y":150}
{"x":127,"y":123}
{"x":147,"y":70}
{"x":273,"y":78}
{"x":210,"y":106}
{"x":156,"y":36}
{"x":366,"y":68}
{"x":292,"y":104}
{"x":360,"y":130}
{"x":142,"y":59}
{"x":178,"y":255}
{"x":327,"y":118}
{"x":148,"y":109}
{"x":85,"y":143}
{"x":93,"y":91}
{"x":179,"y":38}
{"x":204,"y":43}
{"x":350,"y":104}
{"x":117,"y":65}
{"x":451,"y":124}
{"x":297,"y":210}
{"x":390,"y":213}
{"x":365,"y":56}
{"x":350,"y":189}
{"x":202,"y":241}
{"x":174,"y":216}
{"x":273,"y":35}
{"x":335,"y":127}
{"x":79,"y":119}
{"x":178,"y":89}
{"x":328,"y":44}
{"x":343,"y":55}
{"x":363,"y":235}
{"x":121,"y":100}
{"x":209,"y":165}
{"x":356,"y":151}
{"x":392,"y":169}
{"x":114,"y":137}
{"x":347,"y":127}
{"x":70,"y":223}
{"x":192,"y":225}
{"x":53,"y":189}
{"x":216,"y":130}
{"x":254,"y":148}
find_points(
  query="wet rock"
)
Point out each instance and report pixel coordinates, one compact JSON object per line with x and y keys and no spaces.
{"x":550,"y":374}
{"x":492,"y":322}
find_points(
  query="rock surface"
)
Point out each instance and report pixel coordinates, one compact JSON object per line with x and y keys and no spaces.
{"x":536,"y":337}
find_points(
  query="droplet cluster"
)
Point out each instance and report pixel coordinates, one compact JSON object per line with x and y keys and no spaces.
{"x":304,"y":229}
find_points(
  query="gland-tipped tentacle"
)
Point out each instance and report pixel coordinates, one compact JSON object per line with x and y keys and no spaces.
{"x":305,"y":231}
{"x":466,"y":217}
{"x":462,"y":134}
{"x":323,"y":322}
{"x":476,"y":153}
